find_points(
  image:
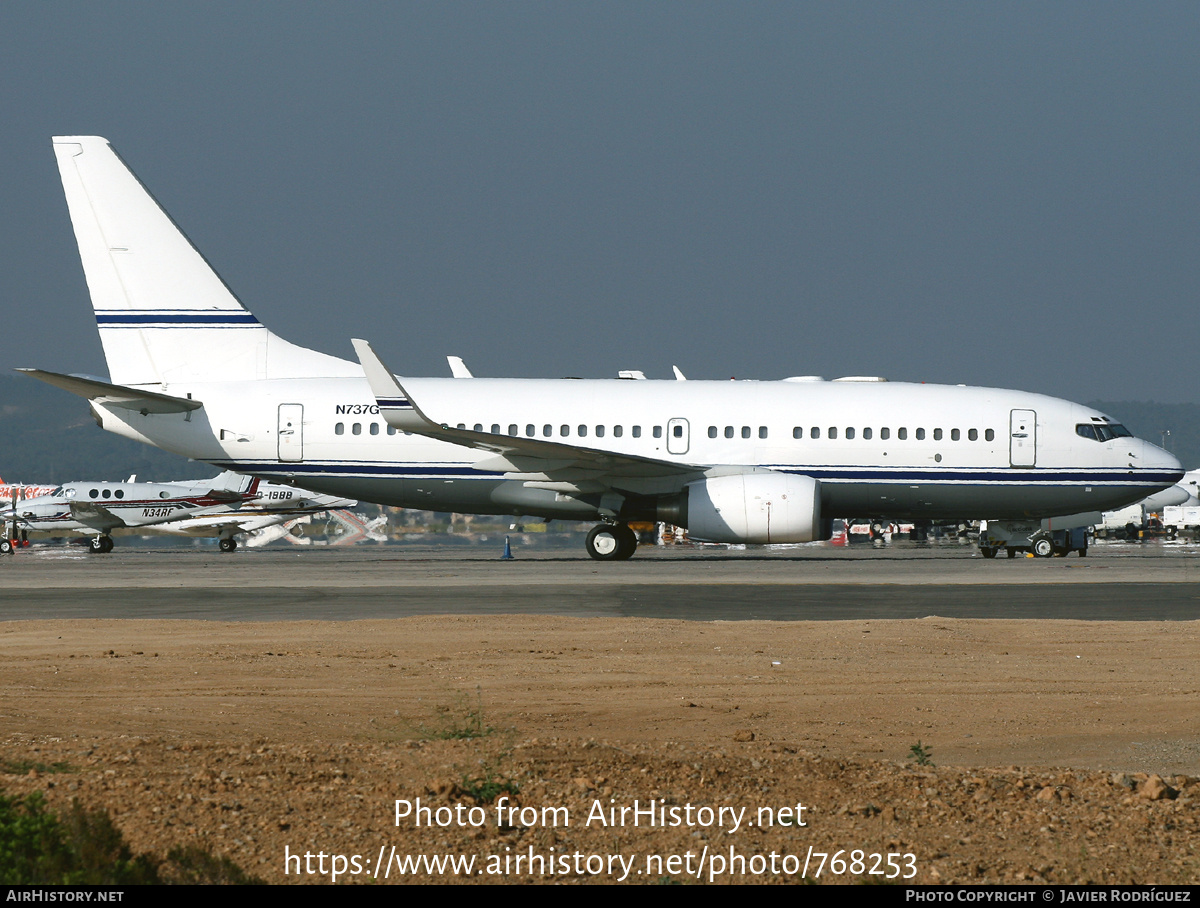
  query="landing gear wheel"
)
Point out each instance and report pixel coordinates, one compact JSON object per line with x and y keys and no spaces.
{"x":628,"y":540}
{"x":603,"y":543}
{"x":6,"y":547}
{"x":1042,"y":548}
{"x":227,"y":545}
{"x":987,"y":551}
{"x":1012,"y":553}
{"x":100,"y":545}
{"x":611,"y":543}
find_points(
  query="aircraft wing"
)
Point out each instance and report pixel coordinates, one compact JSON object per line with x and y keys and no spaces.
{"x":95,"y":516}
{"x":216,"y":525}
{"x":101,"y":392}
{"x":531,"y":456}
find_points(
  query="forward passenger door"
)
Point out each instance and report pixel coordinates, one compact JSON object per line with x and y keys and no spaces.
{"x":1022,"y":439}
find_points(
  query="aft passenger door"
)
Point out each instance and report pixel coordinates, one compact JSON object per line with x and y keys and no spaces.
{"x":677,"y":436}
{"x":291,"y":433}
{"x":1022,"y":439}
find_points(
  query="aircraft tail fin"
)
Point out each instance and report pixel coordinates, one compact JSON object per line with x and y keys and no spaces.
{"x":164,"y":315}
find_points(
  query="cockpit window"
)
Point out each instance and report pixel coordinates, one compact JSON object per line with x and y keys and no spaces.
{"x":1102,"y":431}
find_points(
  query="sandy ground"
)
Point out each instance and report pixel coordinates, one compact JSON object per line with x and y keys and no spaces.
{"x":1040,"y":745}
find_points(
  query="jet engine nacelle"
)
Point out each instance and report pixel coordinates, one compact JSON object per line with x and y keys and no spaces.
{"x":759,"y":508}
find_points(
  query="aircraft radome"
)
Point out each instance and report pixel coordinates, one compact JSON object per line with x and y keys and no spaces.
{"x":194,"y":372}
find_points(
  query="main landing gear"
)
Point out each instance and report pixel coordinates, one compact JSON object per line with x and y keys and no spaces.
{"x":611,"y":542}
{"x":227,"y":545}
{"x":100,"y":545}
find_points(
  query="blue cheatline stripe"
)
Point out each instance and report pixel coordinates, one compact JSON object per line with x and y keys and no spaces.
{"x":343,"y":468}
{"x":999,"y":477}
{"x":393,"y":403}
{"x":174,"y":318}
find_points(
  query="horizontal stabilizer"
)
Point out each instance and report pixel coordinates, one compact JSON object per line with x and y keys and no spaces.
{"x":144,"y":402}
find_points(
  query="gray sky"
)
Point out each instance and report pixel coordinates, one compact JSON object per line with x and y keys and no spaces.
{"x":1001,"y":194}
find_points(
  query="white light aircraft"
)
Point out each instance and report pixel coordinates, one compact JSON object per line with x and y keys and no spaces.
{"x":224,"y":507}
{"x":194,"y":372}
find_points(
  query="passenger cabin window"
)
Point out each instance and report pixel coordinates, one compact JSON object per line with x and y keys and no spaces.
{"x":658,"y":432}
{"x":375,"y":428}
{"x":989,"y":435}
{"x":564,"y":431}
{"x":972,"y":435}
{"x":884,"y":434}
{"x":678,"y":431}
{"x":937,"y":434}
{"x":815,"y":433}
{"x":832,"y":432}
{"x":583,"y":431}
{"x":599,"y":431}
{"x":762,"y":431}
{"x":797,"y":432}
{"x":902,"y":434}
{"x":547,"y":430}
{"x":745,"y":431}
{"x":530,"y":430}
{"x":729,"y":431}
{"x":920,"y":434}
{"x":392,"y":430}
{"x":618,"y":431}
{"x":495,"y":428}
{"x":637,"y":431}
{"x":93,"y":493}
{"x":512,"y":428}
{"x":866,"y":434}
{"x":954,"y":435}
{"x":339,"y":429}
{"x":356,"y":429}
{"x":849,"y":433}
{"x":120,"y":493}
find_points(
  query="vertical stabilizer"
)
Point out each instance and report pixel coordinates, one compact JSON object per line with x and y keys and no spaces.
{"x":164,"y":315}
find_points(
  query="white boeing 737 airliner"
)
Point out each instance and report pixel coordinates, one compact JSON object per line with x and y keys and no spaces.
{"x":193,"y":372}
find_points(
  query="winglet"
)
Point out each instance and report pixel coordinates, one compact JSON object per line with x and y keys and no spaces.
{"x":395,"y":406}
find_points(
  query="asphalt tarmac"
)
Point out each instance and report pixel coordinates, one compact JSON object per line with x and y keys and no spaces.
{"x":1155,"y":581}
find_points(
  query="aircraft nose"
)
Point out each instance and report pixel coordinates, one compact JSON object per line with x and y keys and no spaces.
{"x":1155,"y":458}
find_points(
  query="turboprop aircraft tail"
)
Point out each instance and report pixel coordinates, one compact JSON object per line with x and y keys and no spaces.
{"x":165,"y":316}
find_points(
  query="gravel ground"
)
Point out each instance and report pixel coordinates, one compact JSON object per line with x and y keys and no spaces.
{"x":1064,"y":751}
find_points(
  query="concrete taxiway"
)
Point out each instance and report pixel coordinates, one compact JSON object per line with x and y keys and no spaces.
{"x":1155,"y":581}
